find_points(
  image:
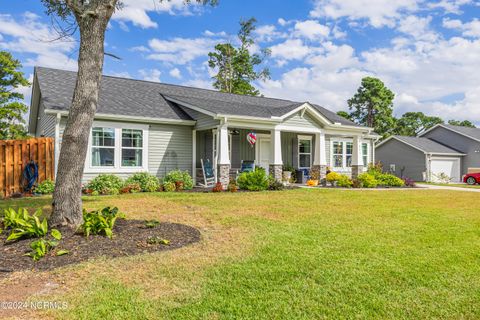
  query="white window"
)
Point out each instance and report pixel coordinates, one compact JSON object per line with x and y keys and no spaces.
{"x":342,"y":154}
{"x":337,"y":152}
{"x":117,"y":147}
{"x":132,"y":147}
{"x":103,"y":147}
{"x":304,"y":152}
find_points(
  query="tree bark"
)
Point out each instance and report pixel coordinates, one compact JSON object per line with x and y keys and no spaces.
{"x":67,"y":202}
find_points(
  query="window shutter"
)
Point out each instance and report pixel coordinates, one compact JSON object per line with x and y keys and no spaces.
{"x":295,"y":152}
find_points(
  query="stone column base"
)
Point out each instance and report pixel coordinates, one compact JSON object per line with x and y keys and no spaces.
{"x":356,"y":171}
{"x":320,"y":169}
{"x":276,"y":170}
{"x":223,"y":175}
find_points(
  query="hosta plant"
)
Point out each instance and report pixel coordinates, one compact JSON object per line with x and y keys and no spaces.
{"x":99,"y":222}
{"x":24,"y":225}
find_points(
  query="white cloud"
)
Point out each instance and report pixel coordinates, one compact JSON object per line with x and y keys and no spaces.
{"x":209,"y":33}
{"x":417,"y":27}
{"x":180,"y":50}
{"x":175,"y":72}
{"x":311,"y":29}
{"x":136,"y":11}
{"x":378,"y":13}
{"x":468,"y":29}
{"x":291,"y":49}
{"x":268,"y":33}
{"x":450,"y":6}
{"x":150,"y":75}
{"x":29,"y":35}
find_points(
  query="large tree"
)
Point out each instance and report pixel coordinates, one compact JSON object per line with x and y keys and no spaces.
{"x":372,"y":106}
{"x":464,"y":123}
{"x":91,"y":17}
{"x":413,"y":123}
{"x":11,"y":107}
{"x":236,"y":66}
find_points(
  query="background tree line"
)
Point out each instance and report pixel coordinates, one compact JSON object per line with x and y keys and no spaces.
{"x":372,"y":106}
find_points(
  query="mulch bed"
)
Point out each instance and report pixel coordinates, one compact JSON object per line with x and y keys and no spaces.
{"x":130,"y":238}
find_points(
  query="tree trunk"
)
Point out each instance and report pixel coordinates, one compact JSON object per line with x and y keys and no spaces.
{"x":67,"y":202}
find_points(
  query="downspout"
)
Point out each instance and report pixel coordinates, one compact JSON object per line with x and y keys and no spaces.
{"x":57,"y":140}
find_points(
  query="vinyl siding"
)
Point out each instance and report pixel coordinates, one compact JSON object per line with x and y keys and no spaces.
{"x":169,"y":148}
{"x":203,"y":121}
{"x":297,"y":120}
{"x":458,"y":142}
{"x":408,"y":161}
{"x":46,"y":124}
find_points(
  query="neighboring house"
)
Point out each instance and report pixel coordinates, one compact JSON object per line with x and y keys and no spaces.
{"x":155,"y":127}
{"x":447,"y":149}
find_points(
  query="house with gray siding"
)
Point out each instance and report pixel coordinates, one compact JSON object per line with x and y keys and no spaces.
{"x":155,"y":127}
{"x":444,"y":149}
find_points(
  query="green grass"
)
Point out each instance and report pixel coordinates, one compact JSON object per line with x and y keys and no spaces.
{"x":299,"y":254}
{"x":458,"y":185}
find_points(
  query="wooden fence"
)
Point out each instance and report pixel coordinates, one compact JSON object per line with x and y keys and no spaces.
{"x":15,"y":154}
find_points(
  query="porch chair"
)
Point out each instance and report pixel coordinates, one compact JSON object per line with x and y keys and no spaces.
{"x":246,"y":166}
{"x":208,"y":174}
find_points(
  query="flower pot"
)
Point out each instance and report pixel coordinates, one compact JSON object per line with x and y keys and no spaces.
{"x":287,"y":176}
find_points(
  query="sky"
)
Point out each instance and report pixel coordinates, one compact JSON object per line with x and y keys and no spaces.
{"x":426,"y":52}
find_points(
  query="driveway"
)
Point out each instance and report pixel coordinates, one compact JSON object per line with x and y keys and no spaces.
{"x":435,"y":187}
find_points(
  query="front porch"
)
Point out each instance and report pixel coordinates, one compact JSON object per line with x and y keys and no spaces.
{"x":226,"y":147}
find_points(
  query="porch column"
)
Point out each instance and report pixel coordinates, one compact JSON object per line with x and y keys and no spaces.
{"x":320,"y":156}
{"x":223,"y":175}
{"x":276,"y":164}
{"x":357,"y":159}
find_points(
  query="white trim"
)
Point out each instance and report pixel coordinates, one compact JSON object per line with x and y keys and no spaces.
{"x":344,"y":153}
{"x":276,"y":146}
{"x":123,"y":118}
{"x":117,"y":168}
{"x":223,"y":152}
{"x":447,"y":128}
{"x":320,"y":158}
{"x":194,"y":156}
{"x":300,"y":137}
{"x":261,"y":136}
{"x":288,"y":128}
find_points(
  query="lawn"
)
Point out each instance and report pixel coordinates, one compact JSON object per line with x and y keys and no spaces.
{"x":458,"y":185}
{"x":297,"y":254}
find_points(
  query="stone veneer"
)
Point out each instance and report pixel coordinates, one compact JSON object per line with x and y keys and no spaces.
{"x":276,"y":170}
{"x":322,"y":169}
{"x":224,"y":175}
{"x":356,"y":171}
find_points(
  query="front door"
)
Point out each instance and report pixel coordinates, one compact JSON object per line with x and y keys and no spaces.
{"x":263,"y":152}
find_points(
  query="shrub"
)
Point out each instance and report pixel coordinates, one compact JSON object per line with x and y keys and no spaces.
{"x":232,"y":185}
{"x":409,"y":182}
{"x":131,"y":188}
{"x":45,"y":187}
{"x":356,"y":183}
{"x":169,"y":186}
{"x":255,"y":180}
{"x":389,"y":180}
{"x":344,"y":181}
{"x":147,"y":182}
{"x":273,"y":184}
{"x":368,"y":180}
{"x":375,"y":168}
{"x":105,"y":184}
{"x":218,"y":187}
{"x":99,"y":221}
{"x":332,"y":177}
{"x":177,"y":176}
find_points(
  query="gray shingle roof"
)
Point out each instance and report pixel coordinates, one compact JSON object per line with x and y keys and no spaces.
{"x":471,"y":132}
{"x":427,"y":145}
{"x":131,"y":97}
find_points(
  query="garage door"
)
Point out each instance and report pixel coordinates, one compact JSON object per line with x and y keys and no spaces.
{"x":448,"y":166}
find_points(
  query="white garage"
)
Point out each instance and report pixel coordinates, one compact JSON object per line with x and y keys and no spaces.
{"x":445,"y":166}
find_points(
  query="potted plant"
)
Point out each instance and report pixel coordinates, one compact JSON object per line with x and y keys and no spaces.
{"x":287,"y":173}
